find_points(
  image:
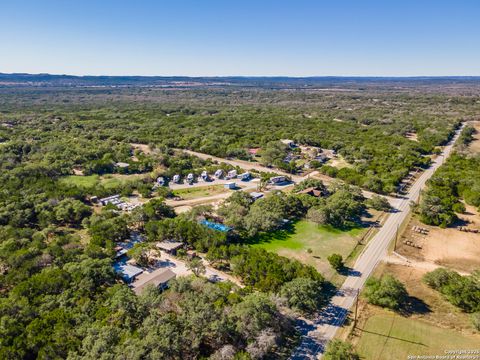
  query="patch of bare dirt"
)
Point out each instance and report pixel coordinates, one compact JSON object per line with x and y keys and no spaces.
{"x":449,"y":247}
{"x":412,"y":136}
{"x":142,"y":147}
{"x":474,"y":146}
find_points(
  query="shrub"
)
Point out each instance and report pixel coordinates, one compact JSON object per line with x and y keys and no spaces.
{"x":336,"y":261}
{"x":476,"y":320}
{"x":340,"y":350}
{"x":386,"y":292}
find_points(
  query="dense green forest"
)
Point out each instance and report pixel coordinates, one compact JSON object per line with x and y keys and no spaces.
{"x":91,"y":128}
{"x":59,"y":295}
{"x":455,"y":181}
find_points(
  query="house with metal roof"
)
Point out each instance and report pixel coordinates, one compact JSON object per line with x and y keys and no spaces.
{"x":126,"y":271}
{"x":158,"y":278}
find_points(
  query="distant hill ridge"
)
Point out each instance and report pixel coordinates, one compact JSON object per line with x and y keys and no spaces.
{"x":48,"y":80}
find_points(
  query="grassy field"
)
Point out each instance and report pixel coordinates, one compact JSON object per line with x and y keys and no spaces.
{"x":198,"y":192}
{"x":81,"y":181}
{"x":108,"y":181}
{"x":388,"y":336}
{"x":304,"y":235}
{"x":431,"y":325}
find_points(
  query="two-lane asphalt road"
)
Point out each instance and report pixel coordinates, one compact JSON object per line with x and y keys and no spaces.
{"x":316,"y":336}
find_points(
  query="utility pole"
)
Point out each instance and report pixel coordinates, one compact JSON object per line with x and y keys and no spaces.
{"x":396,"y":238}
{"x":356,"y":310}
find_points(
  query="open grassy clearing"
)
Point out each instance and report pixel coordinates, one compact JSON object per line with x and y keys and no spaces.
{"x":81,"y":181}
{"x":387,"y":336}
{"x":295,"y":241}
{"x":199,"y":192}
{"x":339,"y":162}
{"x":108,"y":181}
{"x":431,"y":325}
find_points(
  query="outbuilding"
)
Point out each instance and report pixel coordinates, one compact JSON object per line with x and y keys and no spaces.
{"x":230,"y":185}
{"x":122,"y":165}
{"x":170,"y":247}
{"x":256,"y":195}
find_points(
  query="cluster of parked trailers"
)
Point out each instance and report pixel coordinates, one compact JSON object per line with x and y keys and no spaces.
{"x":219,"y":174}
{"x":120,"y":204}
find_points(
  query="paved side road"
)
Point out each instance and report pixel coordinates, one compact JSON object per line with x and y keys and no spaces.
{"x":316,"y":336}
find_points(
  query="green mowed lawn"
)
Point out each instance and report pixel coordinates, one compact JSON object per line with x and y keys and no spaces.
{"x":81,"y":181}
{"x":392,"y":337}
{"x":108,"y":181}
{"x":200,"y":191}
{"x":304,"y":235}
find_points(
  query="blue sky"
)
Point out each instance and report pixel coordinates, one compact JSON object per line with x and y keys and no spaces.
{"x":241,"y":37}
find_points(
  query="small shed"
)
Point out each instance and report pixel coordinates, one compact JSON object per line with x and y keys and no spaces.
{"x":230,"y":185}
{"x":256,"y":195}
{"x":122,"y":165}
{"x":290,"y":143}
{"x":254,"y":151}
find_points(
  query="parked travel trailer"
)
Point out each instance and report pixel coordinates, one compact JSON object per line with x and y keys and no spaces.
{"x":278,"y":179}
{"x":219,"y":174}
{"x":204,"y":176}
{"x":232,"y":174}
{"x":176,"y":179}
{"x":190,"y":178}
{"x":244,"y":176}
